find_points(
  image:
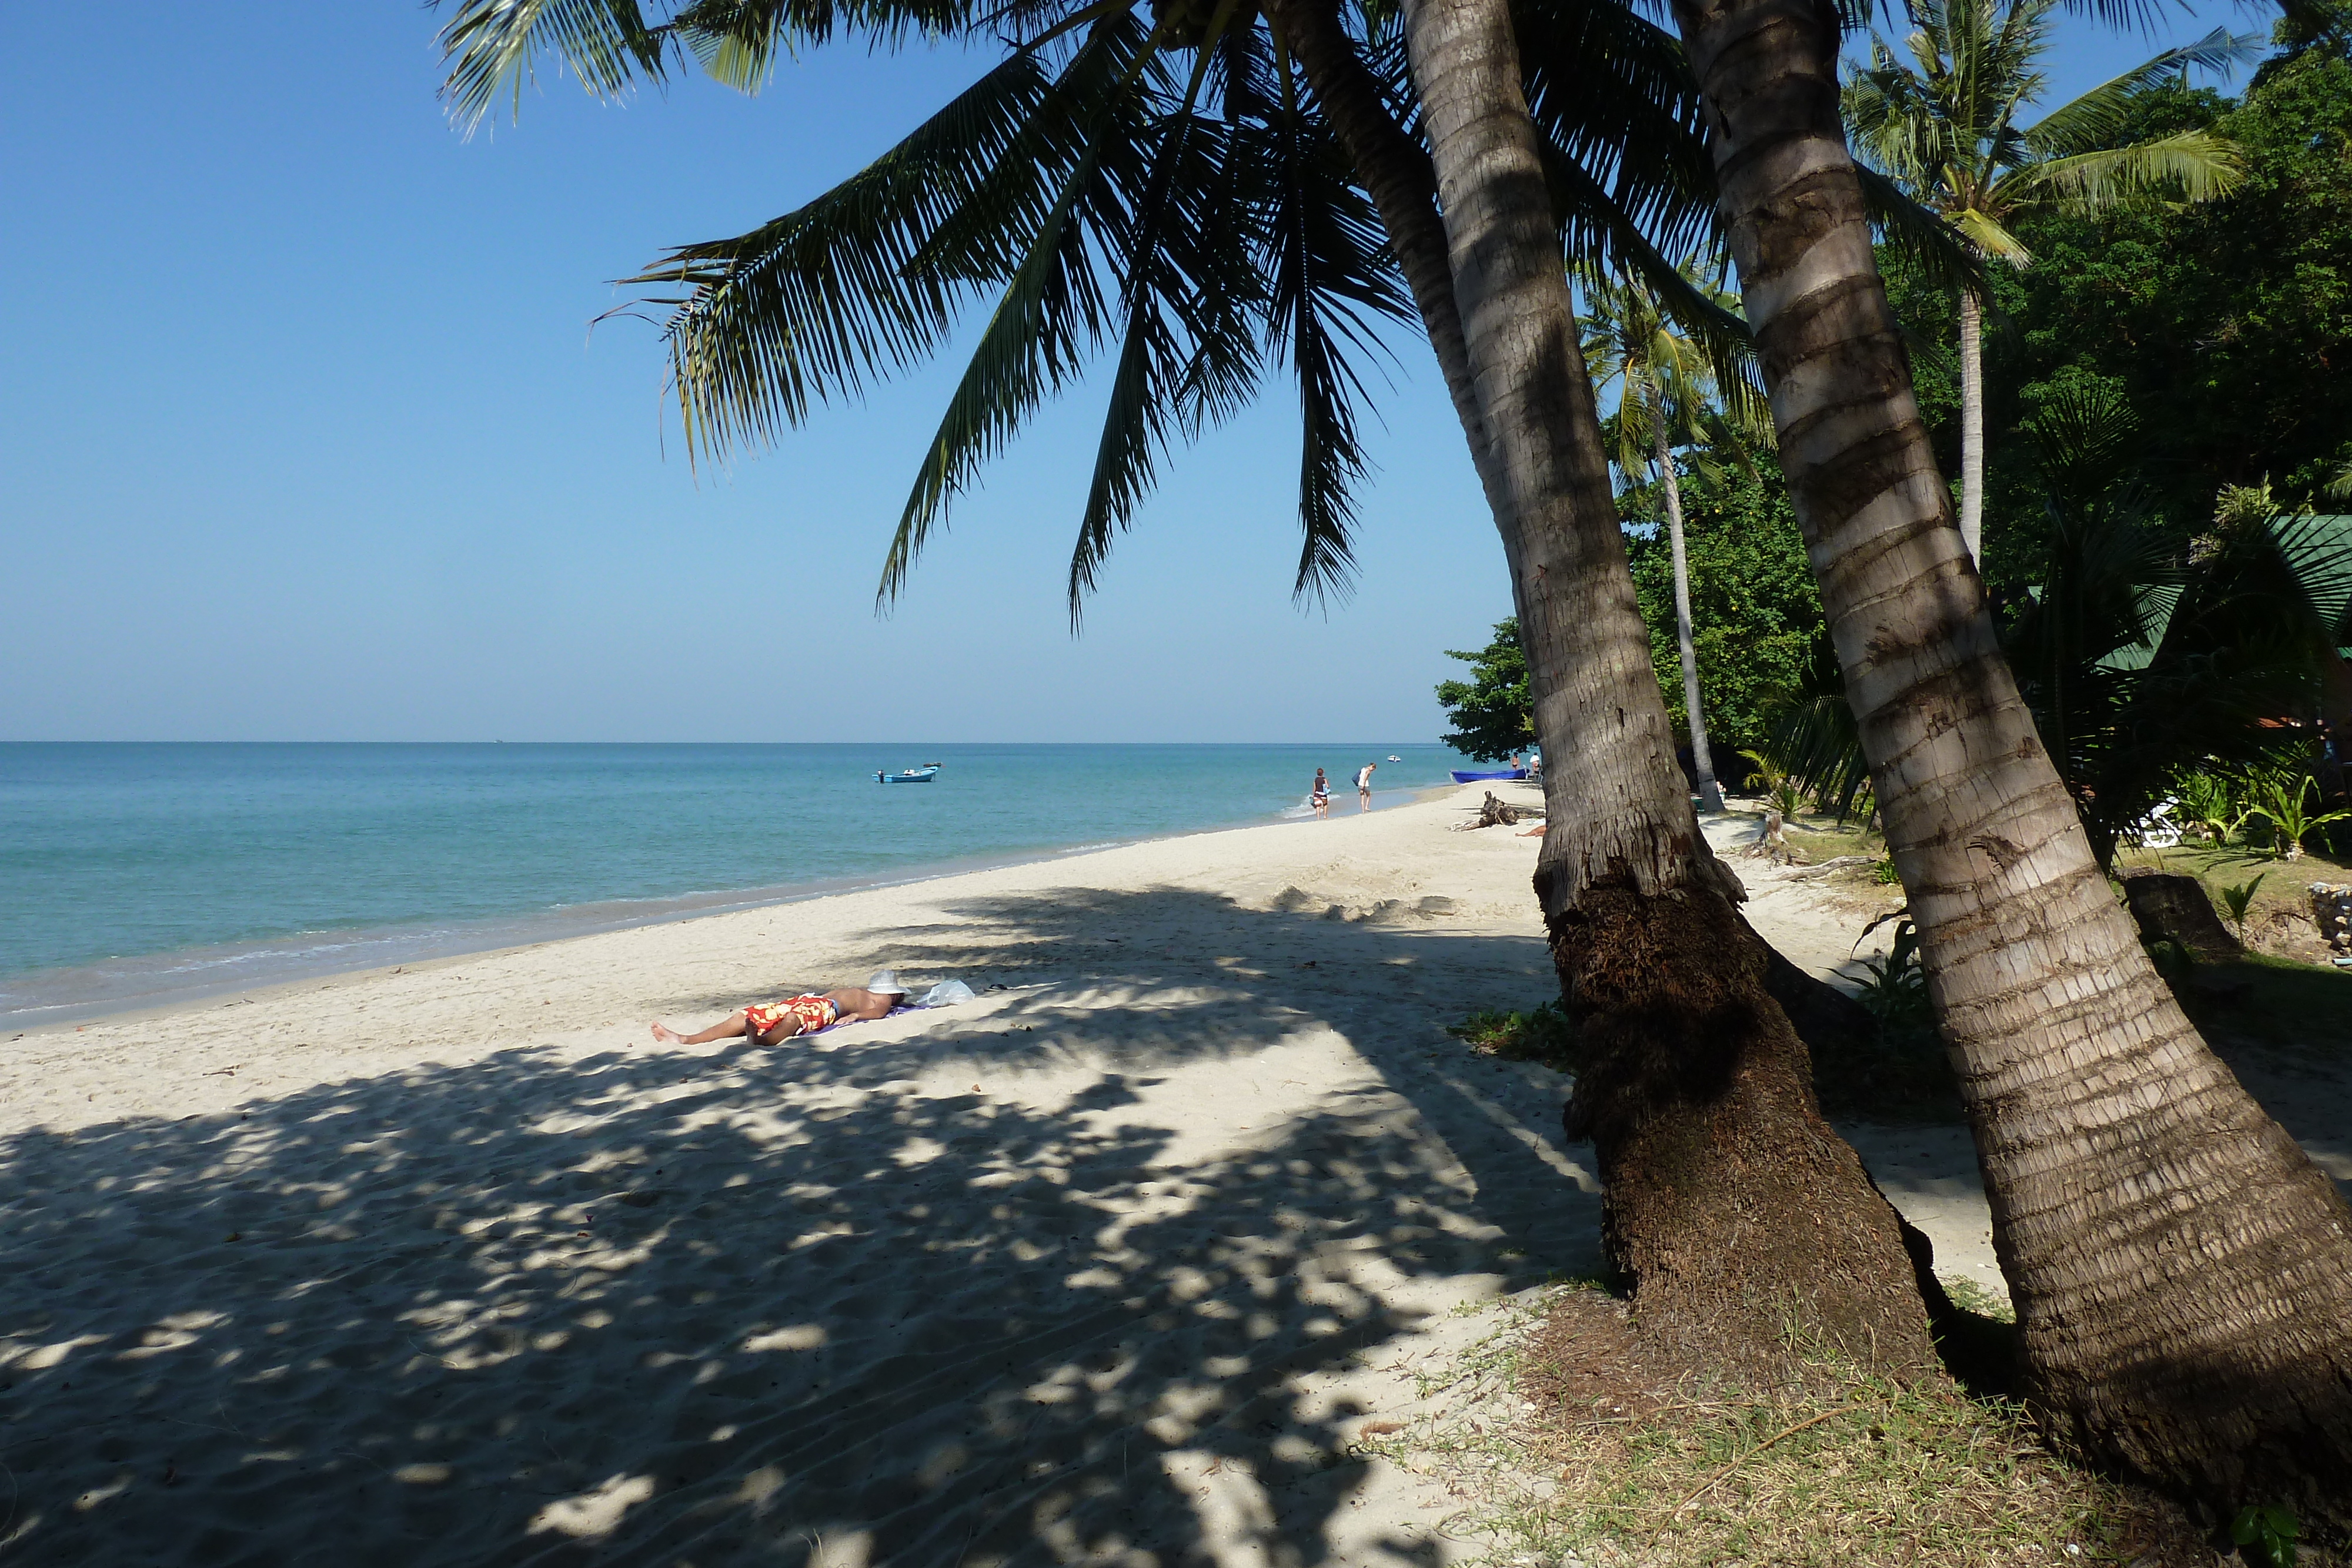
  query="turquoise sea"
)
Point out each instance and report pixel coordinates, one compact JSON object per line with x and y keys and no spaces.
{"x":134,"y":874}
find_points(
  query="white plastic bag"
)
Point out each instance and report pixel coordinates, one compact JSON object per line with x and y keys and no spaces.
{"x":946,"y":994}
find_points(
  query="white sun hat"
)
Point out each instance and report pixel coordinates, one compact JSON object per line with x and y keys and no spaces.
{"x":885,"y":983}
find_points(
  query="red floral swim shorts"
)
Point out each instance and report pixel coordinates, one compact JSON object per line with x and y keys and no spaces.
{"x":813,"y":1013}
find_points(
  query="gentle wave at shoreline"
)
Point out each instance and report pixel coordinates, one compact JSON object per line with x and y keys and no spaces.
{"x":149,"y":874}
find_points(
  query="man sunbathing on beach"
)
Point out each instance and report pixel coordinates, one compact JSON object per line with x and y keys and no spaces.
{"x":775,"y":1023}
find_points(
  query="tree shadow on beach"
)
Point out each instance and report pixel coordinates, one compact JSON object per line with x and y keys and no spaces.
{"x":963,"y":1289}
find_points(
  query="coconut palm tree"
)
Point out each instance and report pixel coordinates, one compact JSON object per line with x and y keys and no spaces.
{"x":1946,"y":127}
{"x":1667,"y":388}
{"x":1184,"y":188}
{"x":2182,"y":1270}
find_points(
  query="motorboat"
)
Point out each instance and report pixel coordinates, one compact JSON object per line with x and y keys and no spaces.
{"x":923,"y":775}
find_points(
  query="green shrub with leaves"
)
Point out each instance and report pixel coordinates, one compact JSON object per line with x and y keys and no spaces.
{"x":1492,"y":713}
{"x":1542,"y":1034}
{"x":2238,"y":902}
{"x":1895,"y":989}
{"x":2287,"y":802}
{"x":2266,"y":1536}
{"x":1781,"y":792}
{"x":2207,"y":803}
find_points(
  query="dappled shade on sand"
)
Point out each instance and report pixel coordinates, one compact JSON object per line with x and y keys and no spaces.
{"x":1103,"y":1274}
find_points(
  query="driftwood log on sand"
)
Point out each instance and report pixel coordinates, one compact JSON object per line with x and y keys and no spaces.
{"x":1503,"y":814}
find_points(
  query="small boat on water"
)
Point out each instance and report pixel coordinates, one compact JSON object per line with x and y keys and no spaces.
{"x":923,"y":775}
{"x":1461,"y":777}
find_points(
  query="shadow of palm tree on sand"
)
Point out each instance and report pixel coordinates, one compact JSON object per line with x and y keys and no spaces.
{"x":1081,"y":1273}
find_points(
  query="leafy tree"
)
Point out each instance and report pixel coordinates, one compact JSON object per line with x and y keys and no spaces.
{"x":1491,"y":713}
{"x":2226,"y":326}
{"x":1947,"y":127}
{"x":1753,"y":602}
{"x":1666,"y":390}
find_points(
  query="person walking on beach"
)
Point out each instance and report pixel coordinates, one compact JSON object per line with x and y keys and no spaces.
{"x":773,"y":1023}
{"x":1320,"y":796}
{"x":1364,"y":786}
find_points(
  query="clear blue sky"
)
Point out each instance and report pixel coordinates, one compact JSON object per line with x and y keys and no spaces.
{"x":305,"y":435}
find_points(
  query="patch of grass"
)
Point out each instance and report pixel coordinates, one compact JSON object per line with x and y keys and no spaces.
{"x":1542,"y":1035}
{"x":2278,"y":902}
{"x":2297,"y":1010}
{"x":1567,"y":1443}
{"x":1826,"y":841}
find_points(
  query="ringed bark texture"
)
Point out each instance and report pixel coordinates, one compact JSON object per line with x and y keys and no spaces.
{"x":1727,"y":1200}
{"x":2182,"y":1271}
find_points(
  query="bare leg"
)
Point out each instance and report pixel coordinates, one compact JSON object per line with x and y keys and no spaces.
{"x":726,"y":1028}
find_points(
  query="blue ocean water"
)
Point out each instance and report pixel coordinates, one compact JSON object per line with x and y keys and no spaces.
{"x":132,"y":874}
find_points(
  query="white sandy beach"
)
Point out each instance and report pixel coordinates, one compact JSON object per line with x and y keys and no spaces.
{"x":454,"y":1265}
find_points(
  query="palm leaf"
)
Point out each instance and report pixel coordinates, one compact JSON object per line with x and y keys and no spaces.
{"x":491,"y":45}
{"x":1817,"y":743}
{"x":2093,"y":120}
{"x":1151,"y":362}
{"x":859,"y":282}
{"x":1033,"y":341}
{"x":2190,"y":164}
{"x":1330,"y":275}
{"x":1921,"y":237}
{"x":2317,"y":551}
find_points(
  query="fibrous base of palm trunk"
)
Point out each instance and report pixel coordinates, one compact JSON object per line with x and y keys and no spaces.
{"x":1746,"y":1229}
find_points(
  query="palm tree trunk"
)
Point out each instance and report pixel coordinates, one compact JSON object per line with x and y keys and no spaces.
{"x":2182,"y":1271}
{"x":1395,"y":170}
{"x":1710,"y":795}
{"x":1726,"y":1198}
{"x":1972,"y":426}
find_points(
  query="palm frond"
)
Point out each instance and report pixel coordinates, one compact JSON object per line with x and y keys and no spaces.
{"x":858,"y":282}
{"x":2191,"y":165}
{"x":1331,"y":275}
{"x":2317,"y":551}
{"x":1051,"y":310}
{"x":2094,"y":119}
{"x":1989,"y":237}
{"x":491,"y":47}
{"x":1623,"y":132}
{"x":1152,"y":362}
{"x":1921,"y":237}
{"x":2134,"y":15}
{"x":1817,"y":744}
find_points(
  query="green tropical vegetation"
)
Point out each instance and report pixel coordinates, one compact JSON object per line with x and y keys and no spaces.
{"x":2225,"y":326}
{"x":1668,"y":388}
{"x":1491,"y":713}
{"x":1210,"y":199}
{"x":1948,"y":126}
{"x":1756,"y":616}
{"x":2173,"y":606}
